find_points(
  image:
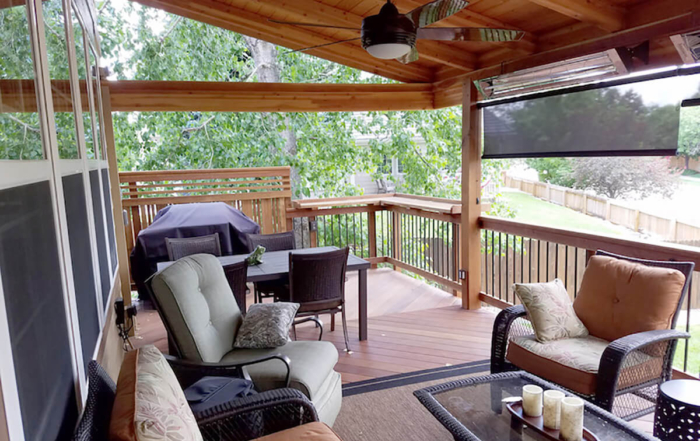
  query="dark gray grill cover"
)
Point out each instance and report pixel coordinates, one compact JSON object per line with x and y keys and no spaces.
{"x":188,"y":220}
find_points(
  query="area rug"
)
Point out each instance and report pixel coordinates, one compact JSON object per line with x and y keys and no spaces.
{"x":384,"y":409}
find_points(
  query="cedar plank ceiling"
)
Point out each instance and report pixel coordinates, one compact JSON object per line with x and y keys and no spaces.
{"x":550,"y":25}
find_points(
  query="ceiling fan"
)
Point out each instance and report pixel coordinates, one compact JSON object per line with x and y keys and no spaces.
{"x":392,"y":35}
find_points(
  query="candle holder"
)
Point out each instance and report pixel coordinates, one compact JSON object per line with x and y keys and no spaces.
{"x":532,"y":400}
{"x":552,"y":409}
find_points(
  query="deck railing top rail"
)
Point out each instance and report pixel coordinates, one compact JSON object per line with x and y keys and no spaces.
{"x":426,"y":203}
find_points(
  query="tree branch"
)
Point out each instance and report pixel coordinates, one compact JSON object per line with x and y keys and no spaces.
{"x":203,"y":126}
{"x":23,"y":124}
{"x":169,"y":31}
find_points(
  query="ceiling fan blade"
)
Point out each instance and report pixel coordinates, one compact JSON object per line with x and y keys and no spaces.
{"x":314,"y":25}
{"x":410,"y":57}
{"x":320,"y":45}
{"x":469,"y":34}
{"x":435,"y":11}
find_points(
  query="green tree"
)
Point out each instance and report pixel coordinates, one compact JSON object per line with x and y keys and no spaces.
{"x":625,"y":177}
{"x":557,"y":171}
{"x":323,"y":153}
{"x":689,"y":135}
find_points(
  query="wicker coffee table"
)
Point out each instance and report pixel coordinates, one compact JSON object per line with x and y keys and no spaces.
{"x":472,"y":410}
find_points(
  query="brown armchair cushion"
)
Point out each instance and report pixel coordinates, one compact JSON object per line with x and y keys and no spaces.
{"x":307,"y":432}
{"x":619,"y":298}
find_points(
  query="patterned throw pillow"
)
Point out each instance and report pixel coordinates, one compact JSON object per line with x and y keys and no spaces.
{"x":550,"y":310}
{"x":150,"y":405}
{"x":266,"y":325}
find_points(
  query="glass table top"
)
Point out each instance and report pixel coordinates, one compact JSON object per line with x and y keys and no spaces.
{"x":476,"y":404}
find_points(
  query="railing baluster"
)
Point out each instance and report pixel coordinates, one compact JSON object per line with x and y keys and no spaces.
{"x":529,"y":266}
{"x":548,"y":247}
{"x":687,"y":324}
{"x":566,"y":264}
{"x":506,"y":281}
{"x":577,"y":251}
{"x":493,"y":263}
{"x":556,"y":260}
{"x":522,"y":259}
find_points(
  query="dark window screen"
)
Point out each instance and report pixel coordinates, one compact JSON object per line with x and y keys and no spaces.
{"x":632,"y":119}
{"x":105,"y":273}
{"x":81,"y":257}
{"x":31,"y":282}
{"x":110,"y":218}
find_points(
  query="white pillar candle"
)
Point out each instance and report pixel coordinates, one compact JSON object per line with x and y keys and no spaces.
{"x":552,"y":409}
{"x":532,"y":400}
{"x":571,"y":419}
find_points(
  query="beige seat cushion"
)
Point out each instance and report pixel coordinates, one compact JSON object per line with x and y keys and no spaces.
{"x":150,"y":405}
{"x":572,"y":363}
{"x":619,"y":298}
{"x":311,"y":364}
{"x":307,"y":432}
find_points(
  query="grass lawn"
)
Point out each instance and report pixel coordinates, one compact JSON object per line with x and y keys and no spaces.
{"x":693,"y":352}
{"x":532,"y":210}
{"x":691,"y":180}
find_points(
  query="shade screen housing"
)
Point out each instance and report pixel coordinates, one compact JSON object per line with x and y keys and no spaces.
{"x":620,"y":118}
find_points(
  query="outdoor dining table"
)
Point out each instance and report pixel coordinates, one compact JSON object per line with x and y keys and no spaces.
{"x":275,"y":266}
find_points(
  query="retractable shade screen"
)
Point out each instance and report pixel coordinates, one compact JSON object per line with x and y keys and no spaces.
{"x":629,"y":117}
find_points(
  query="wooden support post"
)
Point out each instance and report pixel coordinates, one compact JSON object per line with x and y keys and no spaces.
{"x":119,"y":230}
{"x":372,"y":236}
{"x":471,"y":197}
{"x":396,"y":230}
{"x":313,"y":235}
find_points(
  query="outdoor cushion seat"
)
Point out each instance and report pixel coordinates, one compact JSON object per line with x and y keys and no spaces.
{"x":307,"y":432}
{"x":202,"y":317}
{"x":572,"y":362}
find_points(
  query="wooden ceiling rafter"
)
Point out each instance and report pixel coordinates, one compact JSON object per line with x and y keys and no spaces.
{"x":660,"y":26}
{"x":244,"y":22}
{"x":313,"y":11}
{"x":596,"y":12}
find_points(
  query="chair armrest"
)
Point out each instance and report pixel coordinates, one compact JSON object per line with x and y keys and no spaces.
{"x":659,"y":344}
{"x":257,"y":415}
{"x":500,"y":334}
{"x":188,"y":372}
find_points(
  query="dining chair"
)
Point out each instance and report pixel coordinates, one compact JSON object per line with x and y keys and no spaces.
{"x":279,"y":290}
{"x":186,"y":246}
{"x":317,"y":283}
{"x":236,"y":275}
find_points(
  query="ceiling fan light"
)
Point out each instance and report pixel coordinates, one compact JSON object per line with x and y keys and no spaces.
{"x":388,"y":51}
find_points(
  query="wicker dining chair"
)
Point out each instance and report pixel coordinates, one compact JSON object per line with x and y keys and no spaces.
{"x":317,"y":283}
{"x":631,"y":367}
{"x":279,"y":290}
{"x":236,"y":274}
{"x":186,"y":246}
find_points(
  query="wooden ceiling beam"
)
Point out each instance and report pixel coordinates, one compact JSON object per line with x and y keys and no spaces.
{"x":18,"y":96}
{"x":244,"y":22}
{"x":175,"y":96}
{"x":596,"y":12}
{"x":313,"y":11}
{"x":682,"y":48}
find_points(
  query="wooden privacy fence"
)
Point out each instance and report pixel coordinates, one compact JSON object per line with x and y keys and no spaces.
{"x":263,"y":194}
{"x":662,"y":228}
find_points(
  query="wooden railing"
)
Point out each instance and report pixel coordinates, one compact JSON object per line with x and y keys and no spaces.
{"x":263,"y":194}
{"x":415,"y":233}
{"x":516,"y":252}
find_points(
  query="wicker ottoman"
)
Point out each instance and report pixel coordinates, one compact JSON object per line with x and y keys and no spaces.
{"x":678,"y":411}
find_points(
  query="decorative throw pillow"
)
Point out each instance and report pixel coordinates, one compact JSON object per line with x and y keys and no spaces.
{"x":150,"y":405}
{"x":266,"y":325}
{"x":550,"y":310}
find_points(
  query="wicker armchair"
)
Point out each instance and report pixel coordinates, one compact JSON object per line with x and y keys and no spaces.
{"x":240,"y":419}
{"x":186,"y":246}
{"x":317,"y":283}
{"x":624,"y":385}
